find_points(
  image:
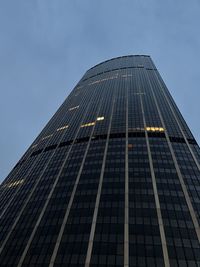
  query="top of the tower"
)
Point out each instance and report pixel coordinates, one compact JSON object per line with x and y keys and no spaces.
{"x":115,"y":58}
{"x":122,"y":62}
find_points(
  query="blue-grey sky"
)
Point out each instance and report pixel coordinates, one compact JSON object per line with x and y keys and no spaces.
{"x":47,"y":45}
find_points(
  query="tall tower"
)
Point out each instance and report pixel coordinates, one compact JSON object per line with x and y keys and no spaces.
{"x":112,"y":180}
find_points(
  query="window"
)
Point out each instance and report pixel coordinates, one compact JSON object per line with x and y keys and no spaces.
{"x":15,"y":183}
{"x":62,"y":128}
{"x":72,"y":108}
{"x":155,"y":129}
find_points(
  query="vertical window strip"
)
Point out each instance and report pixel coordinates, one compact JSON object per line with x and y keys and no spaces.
{"x":155,"y":190}
{"x":59,"y":238}
{"x":94,"y":220}
{"x":184,"y":188}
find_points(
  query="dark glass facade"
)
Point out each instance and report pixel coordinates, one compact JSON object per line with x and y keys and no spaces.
{"x":112,"y":180}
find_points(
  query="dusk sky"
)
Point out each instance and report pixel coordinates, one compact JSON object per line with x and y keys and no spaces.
{"x":47,"y":45}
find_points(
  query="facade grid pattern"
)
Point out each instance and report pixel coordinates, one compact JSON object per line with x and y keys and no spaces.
{"x":113,"y":179}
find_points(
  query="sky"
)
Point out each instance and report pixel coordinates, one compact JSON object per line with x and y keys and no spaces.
{"x":47,"y":45}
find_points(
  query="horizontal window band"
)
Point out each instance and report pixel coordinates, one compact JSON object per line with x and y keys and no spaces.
{"x":112,"y":136}
{"x":67,"y":143}
{"x":192,"y":141}
{"x":36,"y":152}
{"x":82,"y":140}
{"x":112,"y":59}
{"x":111,"y":70}
{"x":182,"y":140}
{"x":50,"y":147}
{"x":156,"y":134}
{"x":177,"y":139}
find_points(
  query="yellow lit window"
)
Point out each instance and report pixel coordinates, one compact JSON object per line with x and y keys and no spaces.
{"x":92,"y":123}
{"x":155,"y":129}
{"x":62,"y":128}
{"x":88,"y":124}
{"x":100,"y":118}
{"x":73,"y":108}
{"x":130,"y":146}
{"x":18,"y":182}
{"x":48,"y":136}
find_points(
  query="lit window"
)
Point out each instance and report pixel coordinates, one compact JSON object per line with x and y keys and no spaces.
{"x":100,"y":118}
{"x":105,"y":79}
{"x":92,"y":123}
{"x":130,"y":146}
{"x":98,"y":81}
{"x":62,"y":128}
{"x":18,"y":182}
{"x":48,"y":136}
{"x":88,"y":124}
{"x":73,"y":108}
{"x":155,"y":129}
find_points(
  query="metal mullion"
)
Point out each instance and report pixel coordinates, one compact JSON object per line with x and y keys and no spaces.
{"x":62,"y":108}
{"x":20,"y":187}
{"x":126,"y":217}
{"x":181,"y":179}
{"x":179,"y":125}
{"x":8,"y":193}
{"x":94,"y":219}
{"x":174,"y":106}
{"x":52,"y":190}
{"x":31,"y":193}
{"x":59,"y":238}
{"x":155,"y":190}
{"x":30,"y":150}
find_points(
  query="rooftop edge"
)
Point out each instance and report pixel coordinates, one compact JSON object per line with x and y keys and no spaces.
{"x":114,"y":59}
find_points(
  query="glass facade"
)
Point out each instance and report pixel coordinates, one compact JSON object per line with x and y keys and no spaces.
{"x":113,"y":179}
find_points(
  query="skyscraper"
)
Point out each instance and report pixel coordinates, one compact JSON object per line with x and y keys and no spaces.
{"x":112,"y":180}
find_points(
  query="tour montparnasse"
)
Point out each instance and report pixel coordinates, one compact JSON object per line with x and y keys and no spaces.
{"x":113,"y":179}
